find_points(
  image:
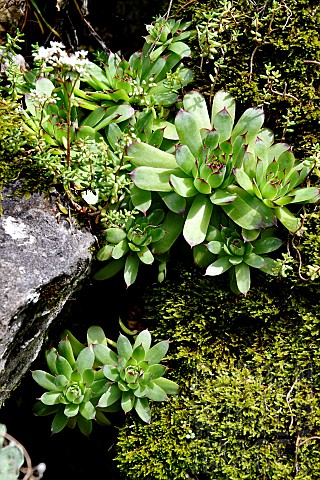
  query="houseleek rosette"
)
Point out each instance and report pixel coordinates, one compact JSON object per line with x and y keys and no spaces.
{"x":128,"y":246}
{"x":221,"y":164}
{"x":237,"y":251}
{"x":72,"y":386}
{"x":135,"y":375}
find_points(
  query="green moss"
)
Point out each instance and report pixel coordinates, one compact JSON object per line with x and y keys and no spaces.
{"x":248,"y":36}
{"x":16,"y":160}
{"x":249,"y":374}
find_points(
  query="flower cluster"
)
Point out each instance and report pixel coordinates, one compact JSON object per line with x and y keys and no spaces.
{"x":56,"y":56}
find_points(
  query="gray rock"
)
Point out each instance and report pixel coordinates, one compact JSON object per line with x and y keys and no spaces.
{"x":42,"y":263}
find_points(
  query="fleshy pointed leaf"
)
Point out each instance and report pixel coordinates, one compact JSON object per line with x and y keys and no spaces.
{"x":156,"y":353}
{"x":105,"y":355}
{"x":248,"y":211}
{"x":153,"y":179}
{"x":144,"y":339}
{"x":170,"y":387}
{"x":188,"y":131}
{"x":131,"y":269}
{"x":142,"y":154}
{"x":59,"y":421}
{"x":127,"y":401}
{"x":110,"y":396}
{"x":111,"y":269}
{"x":197,"y":221}
{"x":156,"y":393}
{"x":143,"y":410}
{"x":218,"y":267}
{"x":124,"y":347}
{"x":183,"y":186}
{"x":95,"y":334}
{"x":242,"y":274}
{"x":195,"y":103}
{"x":85,"y":360}
{"x":45,"y":380}
{"x":267,"y":245}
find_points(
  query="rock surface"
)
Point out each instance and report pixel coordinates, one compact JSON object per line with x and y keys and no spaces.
{"x":42,"y":262}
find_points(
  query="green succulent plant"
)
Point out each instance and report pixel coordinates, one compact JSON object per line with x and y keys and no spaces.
{"x":219,"y":164}
{"x":127,"y":247}
{"x":73,"y":386}
{"x":237,"y":250}
{"x":151,"y":77}
{"x":135,"y":375}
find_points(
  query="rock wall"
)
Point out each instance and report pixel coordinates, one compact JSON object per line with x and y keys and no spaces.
{"x":42,"y":262}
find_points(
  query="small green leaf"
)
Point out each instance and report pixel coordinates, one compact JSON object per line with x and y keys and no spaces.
{"x":174,"y":202}
{"x":266,"y":245}
{"x":87,"y":410}
{"x":45,"y":380}
{"x":172,"y":226}
{"x":189,"y":131}
{"x":142,"y":154}
{"x":85,"y":360}
{"x":50,"y":398}
{"x":84,"y":425}
{"x":88,"y":377}
{"x":141,"y":199}
{"x":156,"y":353}
{"x":110,"y":396}
{"x":65,"y":350}
{"x":71,"y":410}
{"x":131,"y":269}
{"x":115,"y":235}
{"x":142,"y":408}
{"x":95,"y":334}
{"x":110,"y":270}
{"x":143,"y":339}
{"x":183,"y":186}
{"x":127,"y":401}
{"x":63,"y":366}
{"x":59,"y":421}
{"x":195,"y":103}
{"x":198,"y":218}
{"x":156,"y":393}
{"x":218,"y":267}
{"x":51,"y":358}
{"x":120,"y":249}
{"x":170,"y":387}
{"x":242,"y":274}
{"x":156,"y":371}
{"x":105,"y":355}
{"x":145,"y":256}
{"x":254,"y":260}
{"x":248,"y":211}
{"x":124,"y":347}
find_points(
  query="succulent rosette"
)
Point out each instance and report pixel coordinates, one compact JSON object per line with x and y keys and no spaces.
{"x":72,"y":386}
{"x":135,"y":375}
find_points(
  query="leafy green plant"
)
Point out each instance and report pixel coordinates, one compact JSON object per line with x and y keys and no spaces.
{"x":73,"y":386}
{"x":234,"y":251}
{"x":82,"y":383}
{"x":219,"y":166}
{"x":135,"y":375}
{"x":150,"y":78}
{"x":128,"y":246}
{"x":212,"y":164}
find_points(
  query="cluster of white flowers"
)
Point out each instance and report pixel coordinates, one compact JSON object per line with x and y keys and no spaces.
{"x":57,"y":57}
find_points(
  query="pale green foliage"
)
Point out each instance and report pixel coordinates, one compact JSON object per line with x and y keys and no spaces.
{"x":86,"y":381}
{"x":135,"y":375}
